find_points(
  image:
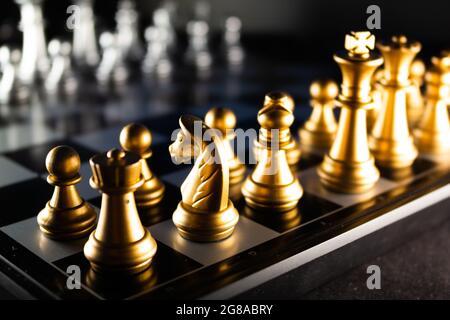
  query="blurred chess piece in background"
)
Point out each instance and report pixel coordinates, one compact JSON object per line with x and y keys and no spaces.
{"x":34,"y":63}
{"x":61,"y":78}
{"x":112,"y":69}
{"x":85,"y":49}
{"x":128,"y":32}
{"x":12,"y":90}
{"x":234,"y":52}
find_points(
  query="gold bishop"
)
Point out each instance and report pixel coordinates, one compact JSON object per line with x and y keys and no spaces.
{"x":272,"y":185}
{"x":291,"y":146}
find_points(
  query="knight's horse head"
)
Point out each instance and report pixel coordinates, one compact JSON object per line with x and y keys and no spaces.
{"x":189,"y":141}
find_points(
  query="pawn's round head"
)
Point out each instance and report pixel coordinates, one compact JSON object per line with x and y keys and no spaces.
{"x":222,"y":119}
{"x":417,"y":69}
{"x":323,"y":90}
{"x":282,"y":98}
{"x":135,"y":138}
{"x":54,"y":47}
{"x":63,"y":163}
{"x":107,"y":39}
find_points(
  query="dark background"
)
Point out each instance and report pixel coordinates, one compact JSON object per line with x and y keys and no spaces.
{"x":303,"y":28}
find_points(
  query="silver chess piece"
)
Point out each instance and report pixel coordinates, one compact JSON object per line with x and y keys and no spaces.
{"x":163,"y":20}
{"x":157,"y":60}
{"x":85,"y":50}
{"x":61,"y":78}
{"x":234,"y":53}
{"x":161,"y":41}
{"x":198,"y":53}
{"x":34,"y":63}
{"x":12,"y":90}
{"x":128,"y":31}
{"x":112,"y":68}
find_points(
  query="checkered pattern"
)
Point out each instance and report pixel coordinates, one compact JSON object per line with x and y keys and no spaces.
{"x":93,"y":128}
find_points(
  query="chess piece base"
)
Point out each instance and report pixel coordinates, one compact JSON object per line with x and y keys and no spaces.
{"x":392,"y":153}
{"x":205,"y":226}
{"x":432,"y":142}
{"x":320,"y":141}
{"x":347,"y":177}
{"x":284,"y":220}
{"x":278,"y":198}
{"x":67,"y":223}
{"x":150,"y":194}
{"x":131,"y":258}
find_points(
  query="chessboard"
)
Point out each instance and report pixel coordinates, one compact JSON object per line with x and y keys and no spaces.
{"x":261,"y":247}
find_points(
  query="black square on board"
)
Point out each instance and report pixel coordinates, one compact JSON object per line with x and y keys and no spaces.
{"x":33,"y":157}
{"x":310,"y":207}
{"x":25,"y":200}
{"x":161,"y":162}
{"x":167,"y":264}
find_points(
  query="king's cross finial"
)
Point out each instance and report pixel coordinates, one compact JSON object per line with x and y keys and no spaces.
{"x":359,"y":43}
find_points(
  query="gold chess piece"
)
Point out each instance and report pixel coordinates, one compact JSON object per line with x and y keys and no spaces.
{"x":120,"y":244}
{"x":66,"y":216}
{"x":390,"y":140}
{"x":318,"y":132}
{"x":205,"y":212}
{"x":349,"y":166}
{"x":433,"y":130}
{"x":414,"y":99}
{"x":291,"y":147}
{"x":224,"y":120}
{"x":377,"y":97}
{"x":137,"y":139}
{"x":272,"y":185}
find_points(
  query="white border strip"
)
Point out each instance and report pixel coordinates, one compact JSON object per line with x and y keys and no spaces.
{"x":323,"y":248}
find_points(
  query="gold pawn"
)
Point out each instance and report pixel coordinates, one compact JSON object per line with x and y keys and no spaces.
{"x":390,"y":140}
{"x":318,"y":132}
{"x":120,"y":244}
{"x":292,"y":148}
{"x":272,"y":185}
{"x":414,"y":99}
{"x":224,"y":120}
{"x":66,"y":216}
{"x":433,"y":130}
{"x":349,"y":166}
{"x":376,"y":94}
{"x":137,"y":139}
